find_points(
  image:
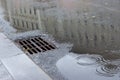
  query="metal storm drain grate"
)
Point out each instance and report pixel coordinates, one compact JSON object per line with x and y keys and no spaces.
{"x":35,"y":45}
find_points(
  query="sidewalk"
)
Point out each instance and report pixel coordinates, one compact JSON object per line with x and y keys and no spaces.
{"x":15,"y":65}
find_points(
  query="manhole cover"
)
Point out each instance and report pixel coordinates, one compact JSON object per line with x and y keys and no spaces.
{"x":34,"y":45}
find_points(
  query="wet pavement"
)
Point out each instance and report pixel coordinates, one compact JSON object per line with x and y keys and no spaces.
{"x":89,"y":67}
{"x":4,"y":74}
{"x":96,"y":44}
{"x":93,"y":27}
{"x":15,"y":65}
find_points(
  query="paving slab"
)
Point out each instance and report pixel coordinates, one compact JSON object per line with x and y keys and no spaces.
{"x":7,"y":47}
{"x":22,"y":67}
{"x":15,"y":65}
{"x":4,"y":74}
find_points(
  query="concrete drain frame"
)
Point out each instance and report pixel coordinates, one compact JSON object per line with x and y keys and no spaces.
{"x":35,"y":44}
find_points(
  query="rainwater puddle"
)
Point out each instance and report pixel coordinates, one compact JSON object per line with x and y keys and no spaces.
{"x":88,"y":67}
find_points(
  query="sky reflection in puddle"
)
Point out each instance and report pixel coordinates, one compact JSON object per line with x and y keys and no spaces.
{"x":88,"y":67}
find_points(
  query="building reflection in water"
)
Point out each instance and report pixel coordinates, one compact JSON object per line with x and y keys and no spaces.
{"x":92,"y":25}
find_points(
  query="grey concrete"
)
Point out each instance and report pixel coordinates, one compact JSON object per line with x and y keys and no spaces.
{"x":22,"y":68}
{"x":7,"y":47}
{"x":4,"y":74}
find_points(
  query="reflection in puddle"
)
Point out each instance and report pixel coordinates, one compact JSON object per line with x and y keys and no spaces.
{"x":108,"y":70}
{"x":89,"y":59}
{"x":88,"y":24}
{"x":92,"y":66}
{"x":93,"y":26}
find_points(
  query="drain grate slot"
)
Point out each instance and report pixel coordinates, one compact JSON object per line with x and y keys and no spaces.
{"x":47,"y":47}
{"x":25,"y":47}
{"x":34,"y":50}
{"x":38,"y":50}
{"x":30,"y":52}
{"x":35,"y":45}
{"x":24,"y":42}
{"x":52,"y":47}
{"x":40,"y":40}
{"x":43,"y":41}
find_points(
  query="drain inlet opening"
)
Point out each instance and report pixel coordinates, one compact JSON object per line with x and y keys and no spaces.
{"x":35,"y":45}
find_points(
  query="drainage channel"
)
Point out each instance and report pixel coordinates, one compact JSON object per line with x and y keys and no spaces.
{"x":34,"y":45}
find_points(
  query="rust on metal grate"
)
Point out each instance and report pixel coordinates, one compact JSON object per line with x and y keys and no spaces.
{"x":35,"y":45}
